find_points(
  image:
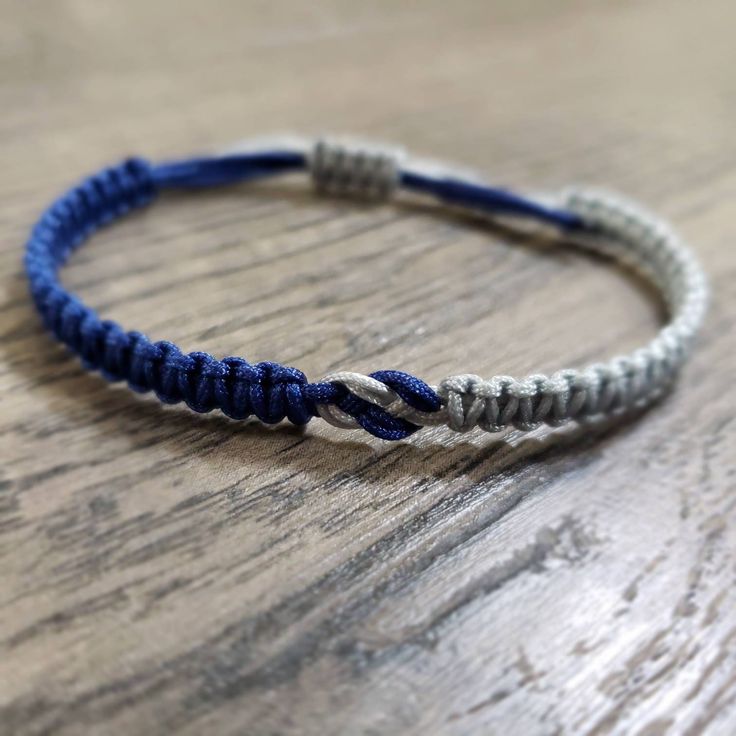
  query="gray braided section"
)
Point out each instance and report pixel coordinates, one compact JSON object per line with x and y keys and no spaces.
{"x":361,"y":170}
{"x":625,"y":232}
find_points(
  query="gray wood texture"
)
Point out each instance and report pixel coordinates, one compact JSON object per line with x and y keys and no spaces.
{"x":165,"y":572}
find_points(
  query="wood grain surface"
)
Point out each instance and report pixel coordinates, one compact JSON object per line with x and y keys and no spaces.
{"x":166,"y":572}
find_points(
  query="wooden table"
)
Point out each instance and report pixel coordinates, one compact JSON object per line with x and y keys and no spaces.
{"x":166,"y":572}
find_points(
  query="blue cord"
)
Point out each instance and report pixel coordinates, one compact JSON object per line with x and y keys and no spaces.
{"x":230,"y":169}
{"x":487,"y":199}
{"x":269,"y":391}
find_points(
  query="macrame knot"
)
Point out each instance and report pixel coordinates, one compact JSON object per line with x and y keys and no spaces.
{"x":494,"y":404}
{"x":354,"y":169}
{"x":270,"y":391}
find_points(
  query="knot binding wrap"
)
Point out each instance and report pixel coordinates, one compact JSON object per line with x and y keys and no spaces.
{"x":389,"y":404}
{"x":354,"y":170}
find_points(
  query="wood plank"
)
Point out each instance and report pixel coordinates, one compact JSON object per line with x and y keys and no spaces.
{"x":164,"y":571}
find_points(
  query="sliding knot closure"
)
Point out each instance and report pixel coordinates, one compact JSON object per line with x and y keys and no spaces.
{"x":356,"y":170}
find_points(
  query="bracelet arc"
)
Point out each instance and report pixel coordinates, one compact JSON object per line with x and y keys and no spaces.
{"x":389,"y":404}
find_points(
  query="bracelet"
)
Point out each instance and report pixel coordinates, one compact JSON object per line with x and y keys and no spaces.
{"x":389,"y":404}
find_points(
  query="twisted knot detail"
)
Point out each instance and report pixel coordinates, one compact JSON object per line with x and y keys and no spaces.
{"x":380,"y":403}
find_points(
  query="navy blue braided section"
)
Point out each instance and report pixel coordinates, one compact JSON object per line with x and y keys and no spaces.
{"x":269,"y":391}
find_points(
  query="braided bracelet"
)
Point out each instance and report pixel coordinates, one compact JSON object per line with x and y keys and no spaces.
{"x":389,"y":404}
